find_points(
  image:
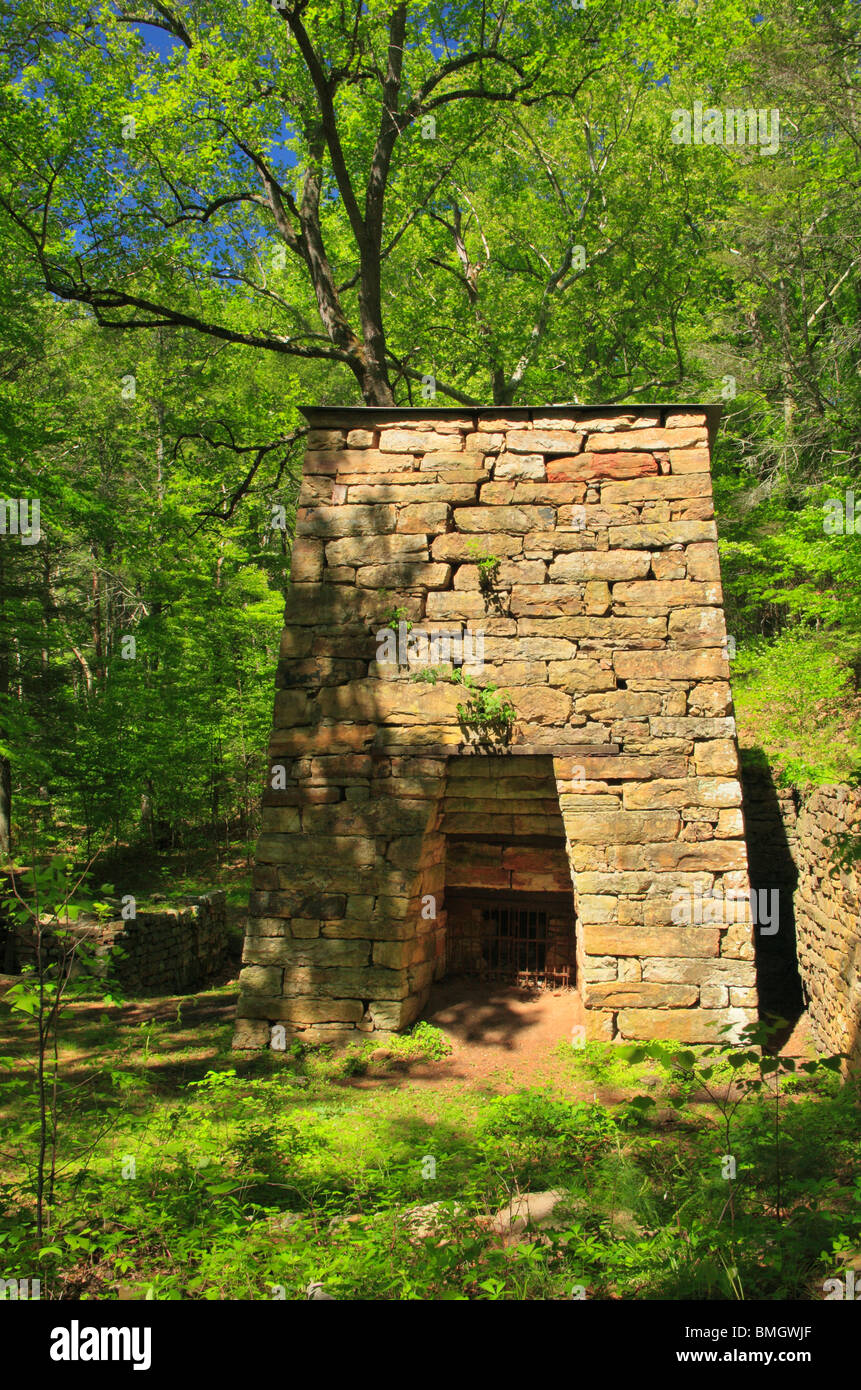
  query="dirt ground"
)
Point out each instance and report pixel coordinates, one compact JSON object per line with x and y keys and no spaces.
{"x":502,"y":1037}
{"x":503,"y":1028}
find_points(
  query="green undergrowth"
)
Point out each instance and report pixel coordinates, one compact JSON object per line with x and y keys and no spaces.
{"x":796,"y":699}
{"x":186,"y":1171}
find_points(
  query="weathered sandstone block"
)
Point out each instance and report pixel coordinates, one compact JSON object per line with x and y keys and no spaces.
{"x":666,"y":438}
{"x":599,"y":466}
{"x":600,"y":564}
{"x":549,"y":441}
{"x":400,"y":441}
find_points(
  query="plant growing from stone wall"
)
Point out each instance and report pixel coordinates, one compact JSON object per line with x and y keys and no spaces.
{"x":395,"y":616}
{"x":488,"y":573}
{"x":487,"y":711}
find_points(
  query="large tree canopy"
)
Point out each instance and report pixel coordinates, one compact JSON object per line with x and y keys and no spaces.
{"x":213,"y":211}
{"x":407,"y":190}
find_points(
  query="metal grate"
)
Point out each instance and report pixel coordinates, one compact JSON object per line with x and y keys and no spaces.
{"x":512,"y":941}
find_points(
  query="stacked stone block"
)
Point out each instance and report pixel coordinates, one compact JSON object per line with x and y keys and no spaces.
{"x":604,"y":625}
{"x":828,"y":919}
{"x":793,"y":838}
{"x":168,"y":951}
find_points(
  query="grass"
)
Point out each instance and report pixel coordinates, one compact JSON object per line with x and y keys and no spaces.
{"x":188,"y":1171}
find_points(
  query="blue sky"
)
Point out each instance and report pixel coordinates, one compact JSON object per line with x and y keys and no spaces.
{"x":163,"y":44}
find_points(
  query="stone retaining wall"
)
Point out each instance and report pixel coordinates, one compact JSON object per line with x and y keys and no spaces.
{"x":828,"y":920}
{"x":814,"y":960}
{"x":169,"y":951}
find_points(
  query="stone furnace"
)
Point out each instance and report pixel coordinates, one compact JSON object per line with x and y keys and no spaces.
{"x":503,"y":740}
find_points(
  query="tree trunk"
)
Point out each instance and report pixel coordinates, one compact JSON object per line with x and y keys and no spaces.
{"x":375,"y":378}
{"x":375,"y":384}
{"x":5,"y":807}
{"x":5,"y":765}
{"x":98,"y":651}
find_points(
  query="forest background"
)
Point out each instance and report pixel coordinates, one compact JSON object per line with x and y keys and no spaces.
{"x":214,"y":212}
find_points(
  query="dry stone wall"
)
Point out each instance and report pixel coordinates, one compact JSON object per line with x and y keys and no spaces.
{"x":599,"y":611}
{"x":814,"y":960}
{"x":170,"y":951}
{"x":828,"y":920}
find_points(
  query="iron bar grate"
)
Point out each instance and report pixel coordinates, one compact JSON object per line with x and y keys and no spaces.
{"x":512,"y":941}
